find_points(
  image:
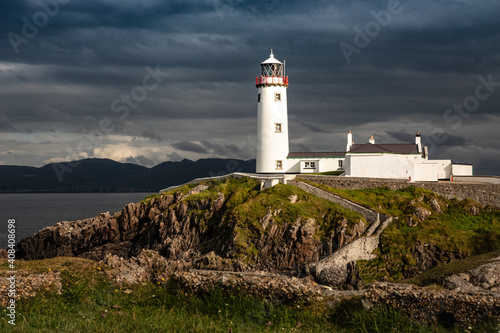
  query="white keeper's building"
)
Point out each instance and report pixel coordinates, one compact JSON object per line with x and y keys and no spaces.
{"x":398,"y":160}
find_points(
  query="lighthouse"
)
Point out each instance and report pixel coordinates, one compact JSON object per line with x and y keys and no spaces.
{"x":272,"y":117}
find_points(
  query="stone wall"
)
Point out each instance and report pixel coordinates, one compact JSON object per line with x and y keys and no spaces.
{"x":429,"y":306}
{"x":485,"y":194}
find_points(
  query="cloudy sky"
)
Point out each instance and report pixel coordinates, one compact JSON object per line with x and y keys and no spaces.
{"x":151,"y":81}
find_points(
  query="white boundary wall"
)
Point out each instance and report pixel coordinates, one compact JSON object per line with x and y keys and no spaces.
{"x":461,"y":170}
{"x":425,"y":172}
{"x":381,"y":165}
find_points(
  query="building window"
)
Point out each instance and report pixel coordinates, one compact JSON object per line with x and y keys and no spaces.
{"x":258,"y":97}
{"x":341,"y":164}
{"x":310,"y":165}
{"x":277,"y":127}
{"x":277,"y":97}
{"x":279,"y":165}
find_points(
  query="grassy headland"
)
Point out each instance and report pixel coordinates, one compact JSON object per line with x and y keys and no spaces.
{"x":90,"y":302}
{"x":461,"y":234}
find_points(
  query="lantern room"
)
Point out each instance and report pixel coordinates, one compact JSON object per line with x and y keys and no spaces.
{"x":272,"y":72}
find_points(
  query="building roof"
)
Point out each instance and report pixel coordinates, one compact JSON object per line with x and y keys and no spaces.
{"x":395,"y":148}
{"x":338,"y":154}
{"x":271,"y":60}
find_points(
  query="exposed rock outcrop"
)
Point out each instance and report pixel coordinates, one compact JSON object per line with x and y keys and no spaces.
{"x":419,"y":209}
{"x":485,"y":277}
{"x":436,"y":206}
{"x":288,"y":246}
{"x":460,"y":282}
{"x":427,"y":256}
{"x":422,"y":213}
{"x":260,"y":285}
{"x":27,"y":285}
{"x":193,"y":232}
{"x":222,"y":274}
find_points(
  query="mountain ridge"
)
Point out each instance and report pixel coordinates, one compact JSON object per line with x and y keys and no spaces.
{"x":106,"y":175}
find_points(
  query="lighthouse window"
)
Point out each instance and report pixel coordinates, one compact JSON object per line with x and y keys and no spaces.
{"x":311,"y":165}
{"x":279,"y":165}
{"x":278,"y":128}
{"x":277,"y":96}
{"x":258,"y":97}
{"x":341,"y":164}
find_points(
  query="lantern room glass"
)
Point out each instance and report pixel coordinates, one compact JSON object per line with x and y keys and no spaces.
{"x":272,"y":70}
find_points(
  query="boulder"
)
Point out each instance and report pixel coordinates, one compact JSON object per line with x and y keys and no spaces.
{"x":486,"y":276}
{"x":459,"y":283}
{"x":436,"y":207}
{"x":422,"y":213}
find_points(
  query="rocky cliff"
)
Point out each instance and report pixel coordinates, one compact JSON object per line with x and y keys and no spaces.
{"x":281,"y":229}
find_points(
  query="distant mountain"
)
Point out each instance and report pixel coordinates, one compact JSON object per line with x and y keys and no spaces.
{"x":104,"y":175}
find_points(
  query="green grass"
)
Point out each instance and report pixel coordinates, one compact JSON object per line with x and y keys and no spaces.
{"x":150,"y":308}
{"x":150,"y":197}
{"x":90,"y":302}
{"x":276,"y":198}
{"x":380,"y":199}
{"x":182,"y":189}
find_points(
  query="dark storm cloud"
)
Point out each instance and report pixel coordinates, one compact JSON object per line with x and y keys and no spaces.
{"x":190,"y":147}
{"x":6,"y":125}
{"x":449,"y":140}
{"x":136,"y":129}
{"x":223,"y":150}
{"x":299,"y":147}
{"x":401,"y":136}
{"x":315,"y":128}
{"x":90,"y":53}
{"x":208,"y":147}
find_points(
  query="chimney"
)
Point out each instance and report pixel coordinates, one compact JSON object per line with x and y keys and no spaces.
{"x":372,"y":140}
{"x":349,"y":141}
{"x":418,"y":142}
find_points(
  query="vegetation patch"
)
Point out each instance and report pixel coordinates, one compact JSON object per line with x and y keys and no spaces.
{"x":453,"y":230}
{"x":245,"y":207}
{"x":248,"y":206}
{"x":380,"y":199}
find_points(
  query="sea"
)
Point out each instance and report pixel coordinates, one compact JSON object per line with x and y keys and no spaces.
{"x":35,"y":211}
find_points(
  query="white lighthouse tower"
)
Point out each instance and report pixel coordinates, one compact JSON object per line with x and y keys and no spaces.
{"x":272,"y":117}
